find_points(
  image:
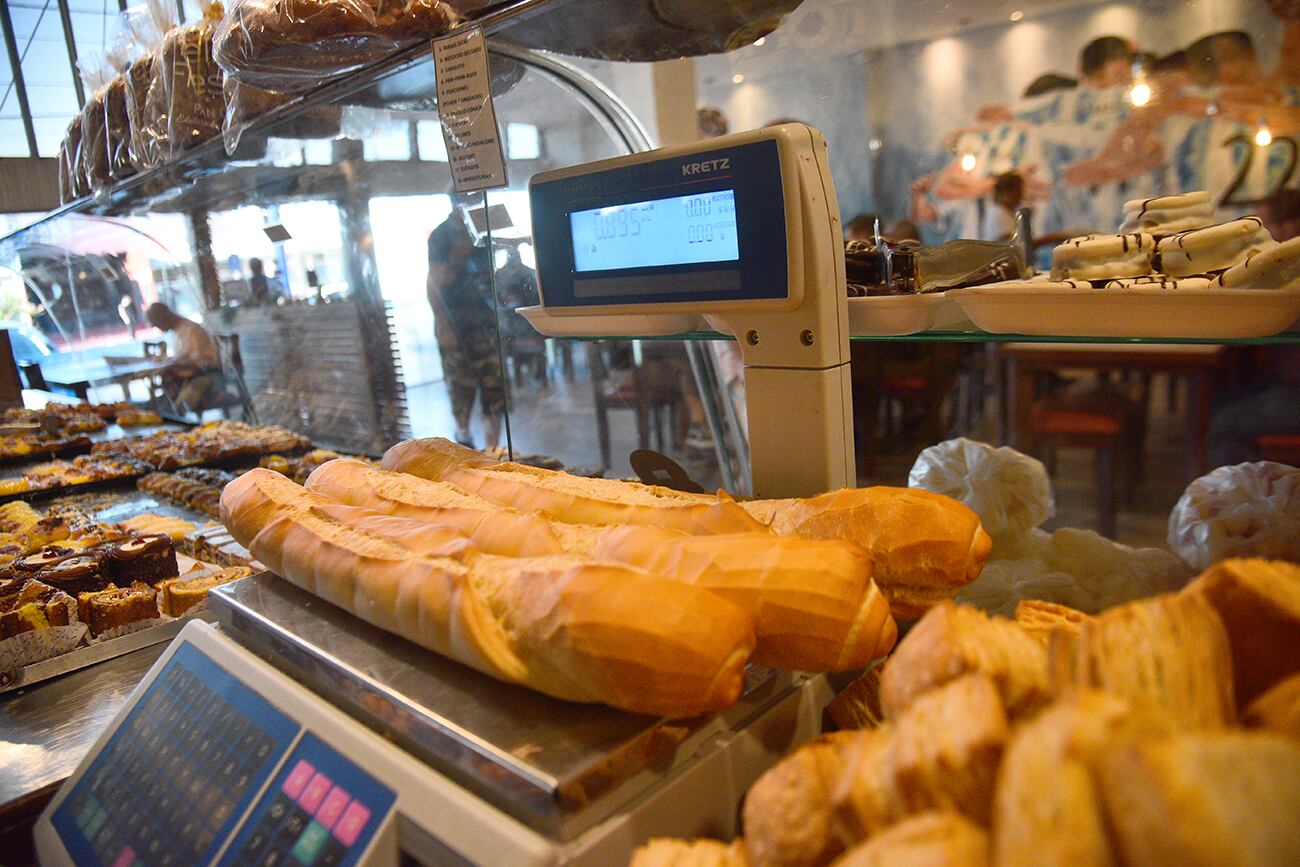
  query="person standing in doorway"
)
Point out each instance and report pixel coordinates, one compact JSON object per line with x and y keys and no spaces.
{"x":460,"y":288}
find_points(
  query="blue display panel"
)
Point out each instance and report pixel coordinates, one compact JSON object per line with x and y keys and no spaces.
{"x":680,"y":230}
{"x":705,"y":226}
{"x":178,"y":773}
{"x":321,"y":811}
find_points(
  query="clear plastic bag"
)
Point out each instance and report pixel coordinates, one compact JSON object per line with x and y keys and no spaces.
{"x":289,"y":46}
{"x":146,"y":117}
{"x":186,"y":86}
{"x":72,"y":183}
{"x":1247,"y":510}
{"x":92,"y":166}
{"x":245,"y":103}
{"x":1009,"y":491}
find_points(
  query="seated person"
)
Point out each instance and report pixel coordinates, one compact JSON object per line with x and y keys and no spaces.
{"x":194,"y":376}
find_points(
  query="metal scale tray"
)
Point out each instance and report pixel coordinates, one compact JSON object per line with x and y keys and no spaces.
{"x":557,"y":766}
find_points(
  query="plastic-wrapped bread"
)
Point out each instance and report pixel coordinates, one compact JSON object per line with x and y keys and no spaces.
{"x":787,"y":813}
{"x":814,"y":604}
{"x":567,"y":498}
{"x":1047,"y":810}
{"x":117,"y":129}
{"x":937,"y":839}
{"x":1259,"y":604}
{"x":952,"y":640}
{"x":188,"y":81}
{"x":146,"y":118}
{"x":1204,"y":799}
{"x":1171,"y":650}
{"x":926,"y":546}
{"x":570,"y":628}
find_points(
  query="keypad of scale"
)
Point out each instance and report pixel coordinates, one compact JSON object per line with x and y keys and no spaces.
{"x":174,"y":775}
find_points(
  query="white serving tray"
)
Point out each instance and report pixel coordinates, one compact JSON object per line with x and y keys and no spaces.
{"x":895,"y":315}
{"x":612,"y":325}
{"x":1132,"y":312}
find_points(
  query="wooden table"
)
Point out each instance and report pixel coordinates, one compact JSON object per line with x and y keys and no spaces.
{"x":111,"y":374}
{"x":1020,"y":363}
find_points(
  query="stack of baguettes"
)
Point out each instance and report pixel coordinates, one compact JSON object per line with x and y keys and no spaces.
{"x":639,"y":597}
{"x":1161,"y":732}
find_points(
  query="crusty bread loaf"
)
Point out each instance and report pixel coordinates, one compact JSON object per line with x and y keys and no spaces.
{"x":567,"y":627}
{"x":926,"y":546}
{"x":814,"y":604}
{"x":666,"y":852}
{"x":567,"y":498}
{"x":787,"y":812}
{"x":510,"y":533}
{"x":857,"y":706}
{"x":1204,"y":799}
{"x":1046,"y":808}
{"x":934,"y":839}
{"x":952,"y":640}
{"x":1278,"y":709}
{"x":1040,"y":619}
{"x":942,"y":753}
{"x":1259,"y":604}
{"x":1169,"y":649}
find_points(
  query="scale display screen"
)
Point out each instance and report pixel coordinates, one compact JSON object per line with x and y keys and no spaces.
{"x":681,"y":230}
{"x":701,"y":226}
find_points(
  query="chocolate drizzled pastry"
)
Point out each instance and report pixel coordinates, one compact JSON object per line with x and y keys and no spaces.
{"x":143,"y":558}
{"x":35,"y":606}
{"x":50,"y":555}
{"x":83,"y":574}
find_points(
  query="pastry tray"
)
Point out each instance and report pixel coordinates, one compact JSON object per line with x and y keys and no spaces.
{"x":559,"y":767}
{"x":1132,"y":312}
{"x":896,"y":315}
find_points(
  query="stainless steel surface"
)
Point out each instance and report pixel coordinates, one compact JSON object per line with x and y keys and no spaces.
{"x":46,"y":730}
{"x":558,"y":766}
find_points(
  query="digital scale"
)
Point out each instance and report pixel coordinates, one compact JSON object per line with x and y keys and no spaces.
{"x":740,"y":234}
{"x":293,"y":733}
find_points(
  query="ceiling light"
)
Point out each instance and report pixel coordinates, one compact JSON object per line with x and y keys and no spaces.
{"x":1017,"y":15}
{"x":968,"y":162}
{"x":1140,"y":95}
{"x":737,"y":78}
{"x":1263,"y":135}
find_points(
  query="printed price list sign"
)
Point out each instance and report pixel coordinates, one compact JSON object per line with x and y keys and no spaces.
{"x":469,"y":120}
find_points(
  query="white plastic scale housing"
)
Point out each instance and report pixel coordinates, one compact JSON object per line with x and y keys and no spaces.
{"x":794,"y":340}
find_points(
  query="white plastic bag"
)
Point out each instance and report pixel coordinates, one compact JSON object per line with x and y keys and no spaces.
{"x":1010,"y":491}
{"x":1247,"y":510}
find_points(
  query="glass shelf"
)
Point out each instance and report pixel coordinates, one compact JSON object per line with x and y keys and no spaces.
{"x":1286,"y":338}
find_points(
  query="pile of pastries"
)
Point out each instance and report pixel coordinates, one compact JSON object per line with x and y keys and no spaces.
{"x":213,"y":441}
{"x":196,"y":488}
{"x":1162,"y":731}
{"x":297,"y":468}
{"x":64,"y":567}
{"x":81,"y":470}
{"x":1172,"y":242}
{"x":63,"y":427}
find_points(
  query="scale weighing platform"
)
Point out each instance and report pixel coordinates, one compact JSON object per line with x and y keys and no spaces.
{"x":295,"y":734}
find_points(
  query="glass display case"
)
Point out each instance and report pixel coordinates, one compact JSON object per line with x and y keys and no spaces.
{"x":317,"y":248}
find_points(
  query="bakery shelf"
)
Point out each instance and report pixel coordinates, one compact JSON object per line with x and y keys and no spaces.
{"x":1283,"y":339}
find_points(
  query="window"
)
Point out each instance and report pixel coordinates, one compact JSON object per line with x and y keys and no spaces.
{"x":523,"y":141}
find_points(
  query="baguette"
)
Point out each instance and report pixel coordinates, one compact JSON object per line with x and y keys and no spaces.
{"x":1259,"y":604}
{"x":787,"y":812}
{"x":1204,"y":799}
{"x":567,"y":498}
{"x":814,"y":603}
{"x":936,"y":839}
{"x":952,"y":640}
{"x":1169,"y":649}
{"x":573,"y":629}
{"x":926,"y":546}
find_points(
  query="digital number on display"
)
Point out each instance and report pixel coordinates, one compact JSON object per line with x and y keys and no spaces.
{"x":682,"y":230}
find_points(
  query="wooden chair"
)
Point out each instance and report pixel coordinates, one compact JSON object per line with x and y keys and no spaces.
{"x":651,"y":390}
{"x":1104,"y":419}
{"x":1282,"y":448}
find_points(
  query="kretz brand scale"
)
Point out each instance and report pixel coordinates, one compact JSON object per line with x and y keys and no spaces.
{"x":740,"y":234}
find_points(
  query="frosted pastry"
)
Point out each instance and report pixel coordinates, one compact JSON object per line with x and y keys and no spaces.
{"x":1275,"y":268}
{"x":1043,"y":285}
{"x":1213,"y":248}
{"x":1103,"y":257}
{"x":1161,"y":281}
{"x":1167,"y":214}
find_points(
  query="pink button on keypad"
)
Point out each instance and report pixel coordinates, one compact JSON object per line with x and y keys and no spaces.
{"x":332,"y":807}
{"x":298,"y":777}
{"x":354,"y":820}
{"x":125,"y":858}
{"x":314,"y":793}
